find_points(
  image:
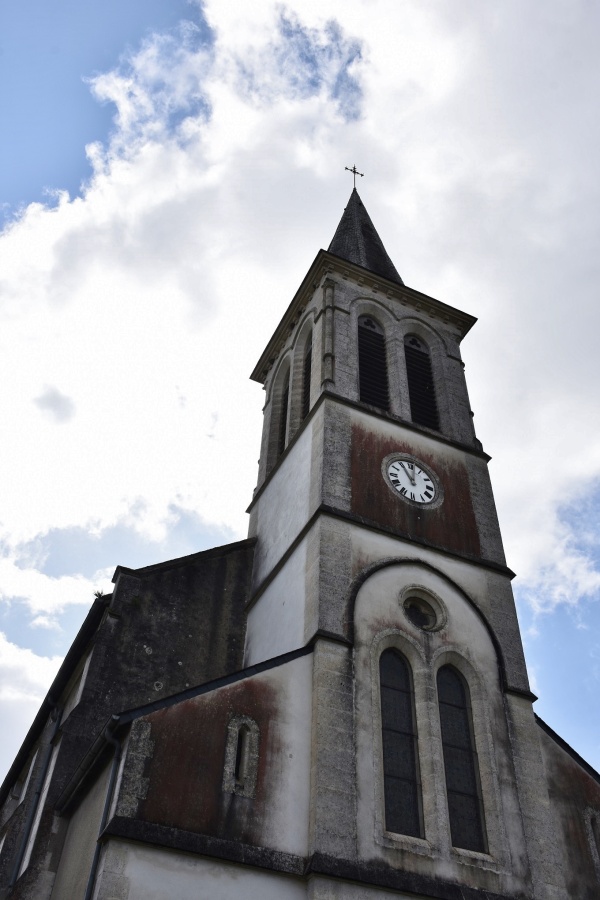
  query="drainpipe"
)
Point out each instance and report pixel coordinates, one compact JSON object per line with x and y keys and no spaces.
{"x":107,"y":803}
{"x":36,"y":797}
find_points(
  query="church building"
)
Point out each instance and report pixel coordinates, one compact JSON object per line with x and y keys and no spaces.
{"x":336,"y":708}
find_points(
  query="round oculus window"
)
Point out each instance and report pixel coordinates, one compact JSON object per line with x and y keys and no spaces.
{"x":420,"y":613}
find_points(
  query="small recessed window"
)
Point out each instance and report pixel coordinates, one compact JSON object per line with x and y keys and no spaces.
{"x":421,"y":613}
{"x":241,"y":756}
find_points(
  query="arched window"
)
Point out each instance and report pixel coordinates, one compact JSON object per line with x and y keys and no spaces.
{"x":421,"y":390}
{"x":460,"y":762}
{"x":372,"y":364}
{"x":306,"y":373}
{"x":241,"y":756}
{"x":283,"y":414}
{"x":402,"y":788}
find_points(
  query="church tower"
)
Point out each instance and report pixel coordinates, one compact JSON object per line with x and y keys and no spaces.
{"x":336,"y":708}
{"x":378,"y":540}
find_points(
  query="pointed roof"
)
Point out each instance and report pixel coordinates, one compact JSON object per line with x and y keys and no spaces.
{"x":357,"y":241}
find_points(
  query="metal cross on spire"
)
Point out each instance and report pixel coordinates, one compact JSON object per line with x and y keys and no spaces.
{"x":355,"y":172}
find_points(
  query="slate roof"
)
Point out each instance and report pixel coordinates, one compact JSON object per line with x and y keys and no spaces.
{"x":357,"y":241}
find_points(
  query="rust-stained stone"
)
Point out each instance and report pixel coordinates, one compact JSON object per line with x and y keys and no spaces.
{"x":572,"y":791}
{"x":185,"y":772}
{"x":450,"y":526}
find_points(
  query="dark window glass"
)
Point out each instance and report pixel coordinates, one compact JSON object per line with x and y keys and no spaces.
{"x":306,"y":373}
{"x":372,"y":364}
{"x":283,"y":415}
{"x":241,"y":753}
{"x":402,"y":790}
{"x":460,"y":762}
{"x":420,"y":613}
{"x":421,"y":391}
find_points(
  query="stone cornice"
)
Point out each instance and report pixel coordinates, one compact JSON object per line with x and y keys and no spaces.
{"x":327,"y":265}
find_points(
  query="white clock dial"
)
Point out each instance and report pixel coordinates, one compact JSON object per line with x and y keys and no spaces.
{"x":411,"y":481}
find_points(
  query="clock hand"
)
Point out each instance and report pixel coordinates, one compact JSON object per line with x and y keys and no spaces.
{"x":411,"y":477}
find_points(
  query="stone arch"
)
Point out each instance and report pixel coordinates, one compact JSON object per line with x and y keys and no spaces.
{"x":279,"y":413}
{"x":303,"y":339}
{"x":366,"y":573}
{"x":381,"y":622}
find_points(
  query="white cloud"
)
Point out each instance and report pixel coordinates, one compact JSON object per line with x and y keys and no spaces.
{"x":196,"y":228}
{"x":45,"y":595}
{"x":224,"y":175}
{"x":24,"y":681}
{"x":58,"y":406}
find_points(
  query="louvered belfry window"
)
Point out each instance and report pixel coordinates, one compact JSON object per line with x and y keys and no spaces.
{"x":402,"y":789}
{"x":283,"y":414}
{"x":372,"y":364}
{"x":306,"y":373}
{"x":460,"y":762}
{"x":421,"y":390}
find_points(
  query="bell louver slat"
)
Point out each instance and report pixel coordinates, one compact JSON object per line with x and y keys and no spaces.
{"x":372,"y":365}
{"x":421,"y":390}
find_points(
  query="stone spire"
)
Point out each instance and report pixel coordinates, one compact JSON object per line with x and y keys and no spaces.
{"x":357,"y":241}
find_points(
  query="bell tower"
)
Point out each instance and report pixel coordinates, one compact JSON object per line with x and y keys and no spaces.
{"x":378,"y":543}
{"x":366,"y":397}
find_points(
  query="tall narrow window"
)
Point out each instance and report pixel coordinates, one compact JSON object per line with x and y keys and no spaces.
{"x":240,"y":771}
{"x":306,"y":373}
{"x":460,"y":762}
{"x":402,"y":789}
{"x":372,"y":364}
{"x":283,"y":415}
{"x":421,"y":391}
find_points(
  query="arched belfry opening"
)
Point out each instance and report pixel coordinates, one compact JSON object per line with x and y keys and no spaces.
{"x":372,"y":364}
{"x":306,"y":376}
{"x":421,"y":388}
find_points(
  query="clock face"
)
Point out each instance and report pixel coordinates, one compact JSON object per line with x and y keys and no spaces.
{"x":411,"y":480}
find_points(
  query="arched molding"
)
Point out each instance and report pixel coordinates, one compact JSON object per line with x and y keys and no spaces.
{"x":370,"y":306}
{"x":306,"y":324}
{"x":240,"y":768}
{"x":304,"y":333}
{"x":283,"y":364}
{"x":279,"y":413}
{"x":428,"y":333}
{"x":388,"y":562}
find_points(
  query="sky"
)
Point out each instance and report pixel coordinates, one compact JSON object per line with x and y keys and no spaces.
{"x":168,"y":171}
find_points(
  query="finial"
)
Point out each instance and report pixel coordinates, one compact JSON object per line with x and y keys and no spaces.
{"x":355,"y":172}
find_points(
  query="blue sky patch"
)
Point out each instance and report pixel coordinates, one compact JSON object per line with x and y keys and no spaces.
{"x":50,"y":50}
{"x":305,"y":62}
{"x":77,"y":551}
